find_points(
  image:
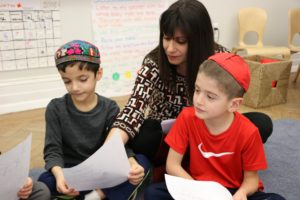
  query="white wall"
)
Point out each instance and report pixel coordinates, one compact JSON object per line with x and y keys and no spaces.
{"x":225,"y":14}
{"x":33,"y":88}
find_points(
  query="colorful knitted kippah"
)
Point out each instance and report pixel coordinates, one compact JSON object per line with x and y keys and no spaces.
{"x":77,"y":50}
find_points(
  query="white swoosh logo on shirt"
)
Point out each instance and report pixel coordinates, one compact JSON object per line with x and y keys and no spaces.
{"x":211,"y":154}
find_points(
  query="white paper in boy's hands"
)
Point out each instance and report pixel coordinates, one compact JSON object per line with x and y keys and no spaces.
{"x":107,"y":167}
{"x":14,"y":168}
{"x":184,"y":189}
{"x":166,"y":125}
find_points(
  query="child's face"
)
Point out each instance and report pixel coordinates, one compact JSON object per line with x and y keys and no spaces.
{"x":80,"y":84}
{"x":209,"y":101}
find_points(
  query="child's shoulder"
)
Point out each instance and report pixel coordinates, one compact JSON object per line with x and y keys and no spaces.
{"x":107,"y":100}
{"x":58,"y":101}
{"x":57,"y":105}
{"x":187,"y":112}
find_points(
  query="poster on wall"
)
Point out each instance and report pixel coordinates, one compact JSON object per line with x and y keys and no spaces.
{"x":30,"y":32}
{"x":125,"y":31}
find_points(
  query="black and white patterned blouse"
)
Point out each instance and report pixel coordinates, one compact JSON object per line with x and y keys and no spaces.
{"x":150,"y":95}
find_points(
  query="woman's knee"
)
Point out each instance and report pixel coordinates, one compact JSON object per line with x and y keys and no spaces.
{"x":149,"y":138}
{"x":276,"y":197}
{"x":263,"y":122}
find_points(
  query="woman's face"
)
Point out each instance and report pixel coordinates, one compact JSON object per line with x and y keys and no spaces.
{"x":176,"y":48}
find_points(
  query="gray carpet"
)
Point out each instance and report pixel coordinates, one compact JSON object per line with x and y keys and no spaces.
{"x":283,"y":155}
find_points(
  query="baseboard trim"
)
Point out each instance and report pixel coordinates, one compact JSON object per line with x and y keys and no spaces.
{"x":29,"y":92}
{"x":23,"y":106}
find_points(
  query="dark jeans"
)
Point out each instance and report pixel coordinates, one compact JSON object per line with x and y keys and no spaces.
{"x":150,"y":137}
{"x":119,"y":192}
{"x":159,"y":191}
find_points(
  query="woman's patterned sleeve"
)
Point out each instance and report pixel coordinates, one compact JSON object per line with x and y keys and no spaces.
{"x":132,"y":116}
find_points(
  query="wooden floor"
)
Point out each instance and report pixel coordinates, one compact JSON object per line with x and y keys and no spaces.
{"x":15,"y":126}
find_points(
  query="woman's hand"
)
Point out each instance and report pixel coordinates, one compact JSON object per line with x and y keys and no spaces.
{"x":26,"y":190}
{"x":136,"y":173}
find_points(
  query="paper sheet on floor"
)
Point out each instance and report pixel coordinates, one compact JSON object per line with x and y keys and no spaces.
{"x":184,"y":189}
{"x":107,"y":167}
{"x":14,"y":168}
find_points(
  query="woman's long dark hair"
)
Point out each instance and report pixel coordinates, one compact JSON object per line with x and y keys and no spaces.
{"x":192,"y":18}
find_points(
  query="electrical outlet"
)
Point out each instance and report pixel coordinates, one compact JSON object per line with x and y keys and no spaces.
{"x":216,"y":31}
{"x":215,"y":26}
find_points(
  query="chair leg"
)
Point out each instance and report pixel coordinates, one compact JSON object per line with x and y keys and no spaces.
{"x":297,"y":74}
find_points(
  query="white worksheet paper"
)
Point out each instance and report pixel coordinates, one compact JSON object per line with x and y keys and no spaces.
{"x":107,"y":167}
{"x":14,"y":168}
{"x":184,"y":189}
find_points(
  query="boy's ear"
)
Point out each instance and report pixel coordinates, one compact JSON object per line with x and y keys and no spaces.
{"x":99,"y":73}
{"x":235,"y":104}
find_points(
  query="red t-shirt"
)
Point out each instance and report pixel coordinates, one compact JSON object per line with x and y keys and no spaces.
{"x":221,"y":158}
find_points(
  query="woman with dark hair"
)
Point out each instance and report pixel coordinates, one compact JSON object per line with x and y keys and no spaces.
{"x":191,"y":21}
{"x":165,"y":82}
